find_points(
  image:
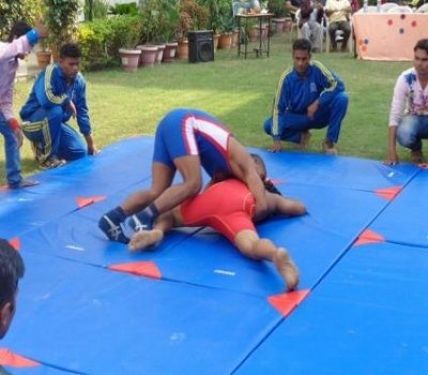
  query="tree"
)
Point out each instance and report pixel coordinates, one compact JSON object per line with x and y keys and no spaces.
{"x":14,"y":10}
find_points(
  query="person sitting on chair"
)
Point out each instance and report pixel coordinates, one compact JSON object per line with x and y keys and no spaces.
{"x":338,"y":13}
{"x":310,"y":16}
{"x":309,"y":96}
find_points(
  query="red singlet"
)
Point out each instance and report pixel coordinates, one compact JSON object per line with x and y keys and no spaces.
{"x":226,"y":206}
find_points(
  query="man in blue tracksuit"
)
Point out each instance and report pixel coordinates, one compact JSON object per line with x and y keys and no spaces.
{"x":309,"y":96}
{"x":58,"y":94}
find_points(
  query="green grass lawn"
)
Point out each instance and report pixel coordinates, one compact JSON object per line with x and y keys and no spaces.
{"x":239,"y":92}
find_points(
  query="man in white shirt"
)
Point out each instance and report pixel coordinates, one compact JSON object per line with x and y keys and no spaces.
{"x":338,"y":13}
{"x":408,"y":119}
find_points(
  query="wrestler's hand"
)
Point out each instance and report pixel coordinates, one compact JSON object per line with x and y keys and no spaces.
{"x":312,"y":109}
{"x":276,"y":146}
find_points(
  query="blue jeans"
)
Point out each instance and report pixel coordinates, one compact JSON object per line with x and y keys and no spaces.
{"x":11,"y":150}
{"x":291,"y":125}
{"x":55,"y":138}
{"x":411,"y":130}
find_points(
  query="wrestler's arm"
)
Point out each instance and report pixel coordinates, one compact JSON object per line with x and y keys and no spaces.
{"x":279,"y":205}
{"x":243,"y":167}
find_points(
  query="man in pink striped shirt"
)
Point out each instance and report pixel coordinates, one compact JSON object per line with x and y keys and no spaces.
{"x":408,"y":119}
{"x":21,"y":40}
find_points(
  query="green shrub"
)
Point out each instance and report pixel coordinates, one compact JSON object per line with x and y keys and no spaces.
{"x":99,"y":9}
{"x":101,"y":39}
{"x":277,"y":7}
{"x":14,"y":10}
{"x":129,"y":9}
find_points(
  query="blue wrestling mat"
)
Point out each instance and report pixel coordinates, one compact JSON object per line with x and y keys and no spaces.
{"x":193,"y":304}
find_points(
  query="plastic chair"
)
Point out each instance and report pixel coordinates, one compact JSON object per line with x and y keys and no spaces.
{"x":400,"y":9}
{"x":422,"y":9}
{"x":384,"y":8}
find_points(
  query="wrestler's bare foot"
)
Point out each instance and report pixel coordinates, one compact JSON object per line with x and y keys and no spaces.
{"x":145,"y":238}
{"x":286,"y":268}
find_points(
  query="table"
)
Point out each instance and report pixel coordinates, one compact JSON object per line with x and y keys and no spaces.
{"x":260,"y":17}
{"x":388,"y":36}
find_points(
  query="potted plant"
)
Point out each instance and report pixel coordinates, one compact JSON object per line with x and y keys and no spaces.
{"x":60,"y":18}
{"x":193,"y":16}
{"x":160,"y":22}
{"x":214,"y":19}
{"x":282,"y":14}
{"x":226,"y":27}
{"x":130,"y":37}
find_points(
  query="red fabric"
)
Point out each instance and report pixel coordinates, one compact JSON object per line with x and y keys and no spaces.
{"x":285,"y":303}
{"x":226,"y":206}
{"x":8,"y":358}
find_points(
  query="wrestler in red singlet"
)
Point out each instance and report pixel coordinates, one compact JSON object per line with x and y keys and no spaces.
{"x":227,"y":207}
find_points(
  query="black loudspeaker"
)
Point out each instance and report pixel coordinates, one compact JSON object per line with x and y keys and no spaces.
{"x":201,"y":46}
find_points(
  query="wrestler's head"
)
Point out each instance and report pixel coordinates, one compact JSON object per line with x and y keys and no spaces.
{"x":260,"y":166}
{"x":261,"y":170}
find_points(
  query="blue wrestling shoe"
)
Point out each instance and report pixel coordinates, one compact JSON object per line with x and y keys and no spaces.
{"x":145,"y":219}
{"x":111,"y":225}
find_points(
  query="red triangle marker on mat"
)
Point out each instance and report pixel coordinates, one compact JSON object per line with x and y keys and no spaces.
{"x":8,"y":358}
{"x":15,"y":243}
{"x":287,"y":302}
{"x":147,"y":269}
{"x":388,"y":193}
{"x":369,"y":236}
{"x":86,"y":201}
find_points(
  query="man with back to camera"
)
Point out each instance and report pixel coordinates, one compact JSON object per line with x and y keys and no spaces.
{"x":58,"y":94}
{"x":408,"y":118}
{"x":309,"y":96}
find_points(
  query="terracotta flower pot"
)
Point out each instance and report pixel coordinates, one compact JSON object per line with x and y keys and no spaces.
{"x":279,"y":24}
{"x":183,"y":49}
{"x":253,"y":34}
{"x":235,"y":38}
{"x":288,"y":24}
{"x":225,"y":40}
{"x":43,"y":59}
{"x":130,"y":59}
{"x":170,"y":52}
{"x":148,"y":55}
{"x":216,"y":37}
{"x":159,"y":55}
